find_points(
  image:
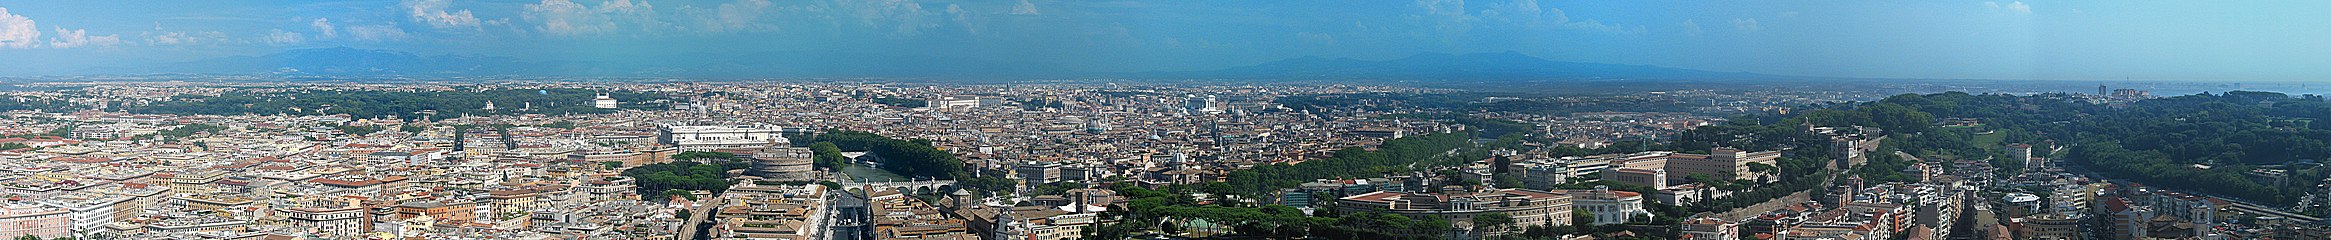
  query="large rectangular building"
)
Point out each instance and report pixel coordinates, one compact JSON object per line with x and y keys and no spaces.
{"x":346,"y":222}
{"x":1722,"y":163}
{"x":710,"y":138}
{"x":34,"y":220}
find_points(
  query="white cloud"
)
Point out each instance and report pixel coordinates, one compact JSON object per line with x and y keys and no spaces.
{"x":562,"y":17}
{"x":1025,"y":8}
{"x":567,"y":18}
{"x":1599,"y":26}
{"x":739,"y":16}
{"x":1527,"y":15}
{"x":2016,"y":7}
{"x":184,"y":38}
{"x":963,"y":18}
{"x":1789,"y":14}
{"x":168,"y":38}
{"x":1448,"y":16}
{"x":384,"y":32}
{"x":324,"y":26}
{"x":1692,"y":28}
{"x":73,"y":38}
{"x":281,"y":37}
{"x":17,"y":31}
{"x":902,"y":17}
{"x":433,"y":12}
{"x":1316,"y":39}
{"x":1524,"y":13}
{"x":1746,"y":24}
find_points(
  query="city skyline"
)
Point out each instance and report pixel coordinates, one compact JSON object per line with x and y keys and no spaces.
{"x":2051,"y":40}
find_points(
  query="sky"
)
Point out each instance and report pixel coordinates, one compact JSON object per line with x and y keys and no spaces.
{"x":2038,"y":39}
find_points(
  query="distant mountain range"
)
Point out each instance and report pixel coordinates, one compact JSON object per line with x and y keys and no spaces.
{"x":343,"y":61}
{"x":1442,"y":66}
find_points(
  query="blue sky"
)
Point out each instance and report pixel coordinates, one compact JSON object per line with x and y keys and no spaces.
{"x":2041,"y":39}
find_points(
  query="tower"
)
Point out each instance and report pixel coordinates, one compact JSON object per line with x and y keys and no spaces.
{"x":2100,"y":90}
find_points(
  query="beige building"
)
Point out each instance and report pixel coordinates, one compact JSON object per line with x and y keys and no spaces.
{"x":1708,"y":228}
{"x":454,"y":211}
{"x":2049,"y":227}
{"x":784,"y":164}
{"x":1722,"y":163}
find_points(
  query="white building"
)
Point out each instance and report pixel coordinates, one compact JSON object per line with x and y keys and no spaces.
{"x":1608,"y":207}
{"x":88,"y":215}
{"x":603,"y":101}
{"x":2023,"y":153}
{"x":328,"y":223}
{"x":708,"y":138}
{"x":947,"y":102}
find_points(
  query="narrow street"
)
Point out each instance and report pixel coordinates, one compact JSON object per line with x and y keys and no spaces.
{"x":696,"y":218}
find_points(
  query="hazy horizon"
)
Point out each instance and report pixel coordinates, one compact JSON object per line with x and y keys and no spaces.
{"x":2047,"y":40}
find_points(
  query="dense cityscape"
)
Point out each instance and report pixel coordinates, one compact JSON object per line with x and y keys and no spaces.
{"x":794,"y":160}
{"x":1164,"y":120}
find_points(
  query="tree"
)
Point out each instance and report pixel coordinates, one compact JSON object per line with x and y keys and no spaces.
{"x":1762,"y":168}
{"x":827,"y":155}
{"x":654,"y":180}
{"x":682,"y":214}
{"x":1582,"y":219}
{"x":1506,"y":181}
{"x":677,"y":192}
{"x":1492,"y":221}
{"x":612,"y":164}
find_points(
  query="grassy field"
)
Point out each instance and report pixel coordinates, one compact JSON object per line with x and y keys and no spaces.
{"x":1990,"y":141}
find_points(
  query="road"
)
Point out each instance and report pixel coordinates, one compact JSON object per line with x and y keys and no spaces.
{"x":846,"y":215}
{"x":1745,"y":213}
{"x":697,"y":216}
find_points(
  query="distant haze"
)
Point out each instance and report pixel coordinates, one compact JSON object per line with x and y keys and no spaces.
{"x":2240,"y":41}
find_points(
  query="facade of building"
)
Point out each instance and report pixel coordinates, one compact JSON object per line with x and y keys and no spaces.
{"x":89,"y":215}
{"x":1722,"y":162}
{"x":1708,"y":228}
{"x":954,"y":102}
{"x":709,"y":138}
{"x":1607,"y":206}
{"x":1040,"y":223}
{"x":331,"y":223}
{"x":442,"y":211}
{"x":2023,"y":152}
{"x":1655,"y":178}
{"x":34,"y":220}
{"x":2050,"y":227}
{"x":784,"y":164}
{"x":1033,"y":173}
{"x":603,"y":102}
